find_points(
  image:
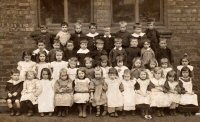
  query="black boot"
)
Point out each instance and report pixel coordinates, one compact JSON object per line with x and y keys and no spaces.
{"x":12,"y":113}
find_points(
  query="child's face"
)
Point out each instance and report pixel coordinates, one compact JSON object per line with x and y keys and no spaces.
{"x":72,"y":64}
{"x":104,"y":63}
{"x":70,"y":46}
{"x":30,"y":75}
{"x":64,"y":28}
{"x":88,"y":64}
{"x":97,"y":74}
{"x":93,"y":29}
{"x":164,"y":65}
{"x":42,"y":57}
{"x":150,"y":25}
{"x":107,"y":31}
{"x":15,"y":76}
{"x":170,"y":78}
{"x":152,"y":65}
{"x":146,"y":45}
{"x":163,"y":44}
{"x":56,"y":45}
{"x":63,"y":76}
{"x":127,"y":76}
{"x":78,"y":29}
{"x":43,"y":30}
{"x":81,"y":74}
{"x":83,"y":45}
{"x":59,"y":56}
{"x":138,"y":63}
{"x":119,"y":63}
{"x":143,"y":75}
{"x":138,"y":30}
{"x":122,"y":28}
{"x":185,"y":62}
{"x":27,"y":58}
{"x":112,"y":76}
{"x":45,"y":75}
{"x":99,"y":46}
{"x":158,"y":74}
{"x":118,"y":44}
{"x":134,"y":43}
{"x":185,"y":74}
{"x":41,"y":46}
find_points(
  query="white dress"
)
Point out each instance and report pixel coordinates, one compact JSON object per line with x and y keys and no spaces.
{"x":157,"y":97}
{"x":150,"y":74}
{"x":189,"y":97}
{"x":39,"y":68}
{"x":142,"y":99}
{"x":46,"y":97}
{"x":105,"y":71}
{"x":129,"y":94}
{"x":24,"y":66}
{"x":120,"y":71}
{"x":57,"y":66}
{"x":114,"y":95}
{"x":72,"y":73}
{"x":174,"y":97}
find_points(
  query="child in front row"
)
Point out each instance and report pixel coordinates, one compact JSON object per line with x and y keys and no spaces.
{"x":13,"y":88}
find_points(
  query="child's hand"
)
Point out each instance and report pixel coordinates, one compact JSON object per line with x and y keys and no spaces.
{"x":14,"y":94}
{"x":9,"y":95}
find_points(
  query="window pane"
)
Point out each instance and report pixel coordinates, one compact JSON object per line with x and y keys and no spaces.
{"x":79,"y":10}
{"x":149,"y":9}
{"x":52,"y":11}
{"x":123,"y":10}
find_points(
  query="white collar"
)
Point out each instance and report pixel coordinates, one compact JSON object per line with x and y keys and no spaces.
{"x":181,"y":66}
{"x":37,"y":51}
{"x":14,"y":82}
{"x":118,"y":49}
{"x":92,"y":35}
{"x":109,"y":36}
{"x":136,"y":35}
{"x":83,"y":51}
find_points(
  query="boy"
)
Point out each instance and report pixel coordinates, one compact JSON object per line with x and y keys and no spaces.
{"x":164,"y":52}
{"x":13,"y":88}
{"x":69,"y":51}
{"x":43,"y":34}
{"x":117,"y":51}
{"x":92,"y":36}
{"x":63,"y":35}
{"x":152,"y":34}
{"x":124,"y":34}
{"x":132,"y":52}
{"x":52,"y":52}
{"x":77,"y":36}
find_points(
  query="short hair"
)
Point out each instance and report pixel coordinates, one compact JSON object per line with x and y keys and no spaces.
{"x":144,"y":70}
{"x":56,"y":41}
{"x":82,"y":69}
{"x":137,"y":25}
{"x":112,"y":70}
{"x":123,"y":23}
{"x":38,"y":56}
{"x":30,"y":71}
{"x":146,"y":41}
{"x":136,"y":59}
{"x":165,"y":60}
{"x":92,"y":24}
{"x":26,"y":53}
{"x":185,"y":68}
{"x":77,"y":24}
{"x":64,"y":23}
{"x":41,"y":41}
{"x":89,"y":59}
{"x":133,"y":38}
{"x":48,"y":72}
{"x":150,"y":61}
{"x":172,"y":73}
{"x":98,"y":69}
{"x":59,"y":51}
{"x":70,"y":41}
{"x":117,"y":39}
{"x":63,"y":70}
{"x":83,"y":41}
{"x":159,"y":69}
{"x":185,"y":56}
{"x":162,"y":39}
{"x":43,"y":27}
{"x":13,"y":71}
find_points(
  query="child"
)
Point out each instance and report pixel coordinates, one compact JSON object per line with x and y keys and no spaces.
{"x":63,"y":93}
{"x":92,"y":36}
{"x":136,"y":67}
{"x":104,"y":65}
{"x":46,"y":94}
{"x":98,"y":89}
{"x":142,"y":96}
{"x":151,"y":66}
{"x":52,"y":52}
{"x":114,"y":93}
{"x":83,"y":52}
{"x":58,"y":64}
{"x":116,"y":51}
{"x":63,"y":35}
{"x":173,"y":89}
{"x":72,"y":68}
{"x":13,"y":88}
{"x":164,"y":52}
{"x":41,"y":48}
{"x":138,"y":34}
{"x":42,"y":56}
{"x":25,"y":65}
{"x":77,"y":36}
{"x":159,"y":100}
{"x":69,"y":51}
{"x":165,"y":65}
{"x":89,"y":63}
{"x":188,"y":102}
{"x":132,"y":51}
{"x":129,"y":92}
{"x":30,"y":92}
{"x":152,"y":34}
{"x":123,"y":34}
{"x":108,"y":40}
{"x":82,"y":91}
{"x":120,"y":66}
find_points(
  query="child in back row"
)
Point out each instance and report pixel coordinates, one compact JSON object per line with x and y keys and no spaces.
{"x":92,"y":36}
{"x":83,"y":52}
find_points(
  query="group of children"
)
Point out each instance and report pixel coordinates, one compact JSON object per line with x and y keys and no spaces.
{"x":124,"y":72}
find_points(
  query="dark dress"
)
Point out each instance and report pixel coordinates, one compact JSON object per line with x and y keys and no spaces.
{"x":153,"y":35}
{"x":69,"y":54}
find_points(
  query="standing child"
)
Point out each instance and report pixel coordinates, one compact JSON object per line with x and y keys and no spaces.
{"x":104,"y":65}
{"x":46,"y":95}
{"x":98,"y":88}
{"x":63,"y":35}
{"x":92,"y":36}
{"x":83,"y":52}
{"x":114,"y":93}
{"x":63,"y":93}
{"x":120,"y":66}
{"x":52,"y":52}
{"x":25,"y":65}
{"x":82,"y":91}
{"x":129,"y":92}
{"x":89,"y":67}
{"x":13,"y":88}
{"x":30,"y":92}
{"x":69,"y":51}
{"x":188,"y":102}
{"x":72,"y":68}
{"x":136,"y":67}
{"x":58,"y":64}
{"x":143,"y":94}
{"x":42,"y":56}
{"x":165,"y":65}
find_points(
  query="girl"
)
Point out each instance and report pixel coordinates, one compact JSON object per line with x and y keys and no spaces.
{"x":42,"y":56}
{"x":82,"y":91}
{"x":72,"y":69}
{"x":165,"y":65}
{"x":98,"y":88}
{"x":136,"y":67}
{"x":13,"y":88}
{"x":104,"y":65}
{"x":63,"y":93}
{"x":30,"y":92}
{"x":151,"y":66}
{"x":143,"y":94}
{"x":159,"y":99}
{"x":114,"y":92}
{"x":173,"y":89}
{"x":89,"y":67}
{"x":120,"y":66}
{"x":46,"y":96}
{"x":129,"y":92}
{"x":25,"y":65}
{"x":188,"y":102}
{"x":58,"y":64}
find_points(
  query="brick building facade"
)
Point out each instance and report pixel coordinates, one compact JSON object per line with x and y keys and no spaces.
{"x":18,"y":18}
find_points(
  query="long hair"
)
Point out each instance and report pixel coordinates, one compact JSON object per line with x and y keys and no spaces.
{"x":48,"y":72}
{"x":185,"y":68}
{"x":172,"y":73}
{"x":26,"y":53}
{"x":40,"y":53}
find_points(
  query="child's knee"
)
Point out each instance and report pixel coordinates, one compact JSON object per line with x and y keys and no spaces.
{"x":17,"y":101}
{"x":9,"y":101}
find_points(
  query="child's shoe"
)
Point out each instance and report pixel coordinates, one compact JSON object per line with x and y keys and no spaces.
{"x":30,"y":113}
{"x":50,"y":114}
{"x":59,"y":113}
{"x":133,"y":113}
{"x":18,"y":113}
{"x":63,"y":113}
{"x":116,"y":115}
{"x":162,"y":113}
{"x":80,"y":114}
{"x":84,"y":114}
{"x":104,"y":113}
{"x":12,"y":113}
{"x":112,"y":114}
{"x":42,"y":114}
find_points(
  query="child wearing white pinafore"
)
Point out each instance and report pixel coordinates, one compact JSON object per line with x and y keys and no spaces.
{"x":120,"y":66}
{"x":72,"y":68}
{"x":165,"y":65}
